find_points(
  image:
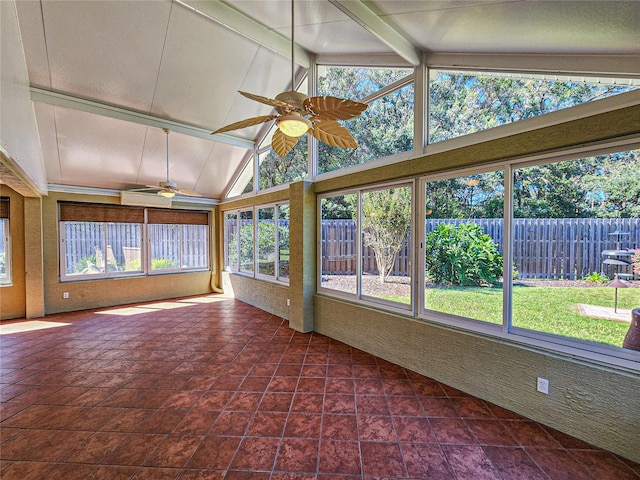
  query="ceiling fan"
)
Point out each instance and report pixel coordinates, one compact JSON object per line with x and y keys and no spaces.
{"x":298,"y":114}
{"x":169,"y":189}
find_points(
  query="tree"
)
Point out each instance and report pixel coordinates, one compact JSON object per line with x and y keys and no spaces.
{"x":386,"y":222}
{"x":614,"y":188}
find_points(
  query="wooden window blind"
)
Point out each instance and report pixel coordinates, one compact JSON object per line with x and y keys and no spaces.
{"x":92,"y":212}
{"x":4,"y":207}
{"x":183,"y":217}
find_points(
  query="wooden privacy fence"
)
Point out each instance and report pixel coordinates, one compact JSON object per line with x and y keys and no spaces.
{"x":544,"y":248}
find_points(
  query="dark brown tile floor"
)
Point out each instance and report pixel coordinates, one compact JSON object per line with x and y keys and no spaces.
{"x":211,"y":388}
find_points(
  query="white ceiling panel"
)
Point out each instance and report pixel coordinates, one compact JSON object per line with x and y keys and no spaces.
{"x":98,"y":151}
{"x":45,"y":117}
{"x":320,"y":27}
{"x":107,"y":51}
{"x":542,"y":27}
{"x":220,"y":168}
{"x":33,"y":39}
{"x":198,"y":55}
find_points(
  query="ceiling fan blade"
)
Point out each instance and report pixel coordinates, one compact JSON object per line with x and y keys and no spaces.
{"x":282,"y":144}
{"x":334,"y":134}
{"x":246,"y":123}
{"x":333,"y":108}
{"x":268,"y":101}
{"x":186,"y":192}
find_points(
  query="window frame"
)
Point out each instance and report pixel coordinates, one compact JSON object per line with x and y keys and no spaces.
{"x":276,"y":277}
{"x":7,"y":279}
{"x":145,"y":245}
{"x":358,"y":296}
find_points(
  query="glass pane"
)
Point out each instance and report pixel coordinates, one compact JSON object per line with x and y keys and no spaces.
{"x":266,"y":241}
{"x":84,"y":248}
{"x":231,"y":241}
{"x":164,"y":240}
{"x":464,"y":102}
{"x":195,"y":246}
{"x":275,"y":170}
{"x":246,"y":241}
{"x":577,"y":228}
{"x":338,"y":243}
{"x":5,"y":261}
{"x":385,"y":128}
{"x":386,"y":235}
{"x":463,"y":246}
{"x":123,"y":252}
{"x":283,"y":241}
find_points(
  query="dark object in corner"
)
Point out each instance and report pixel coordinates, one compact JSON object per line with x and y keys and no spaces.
{"x":632,"y":338}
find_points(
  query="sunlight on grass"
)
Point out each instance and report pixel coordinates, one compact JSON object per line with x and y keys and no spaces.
{"x":545,"y":309}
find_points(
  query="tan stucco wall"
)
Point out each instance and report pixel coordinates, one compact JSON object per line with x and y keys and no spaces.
{"x":594,"y":403}
{"x":13,"y":297}
{"x":87,"y":294}
{"x":268,"y":296}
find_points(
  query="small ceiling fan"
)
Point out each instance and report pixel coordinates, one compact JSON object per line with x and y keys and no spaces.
{"x":170,"y":189}
{"x":298,"y":114}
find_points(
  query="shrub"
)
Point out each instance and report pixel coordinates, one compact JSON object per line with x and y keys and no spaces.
{"x":596,"y":277}
{"x":86,"y":263}
{"x":462,"y":255}
{"x":163,"y":263}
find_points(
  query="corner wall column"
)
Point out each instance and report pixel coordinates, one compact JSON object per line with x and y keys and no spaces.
{"x":302,"y":255}
{"x":33,"y":258}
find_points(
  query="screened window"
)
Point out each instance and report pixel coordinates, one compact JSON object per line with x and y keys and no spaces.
{"x":246,"y":241}
{"x":266,"y":246}
{"x":338,"y":247}
{"x":231,"y":243}
{"x":178,"y":240}
{"x":463,"y":246}
{"x":108,"y":241}
{"x":465,"y":102}
{"x":5,"y":242}
{"x":366,"y":244}
{"x":576,"y":228}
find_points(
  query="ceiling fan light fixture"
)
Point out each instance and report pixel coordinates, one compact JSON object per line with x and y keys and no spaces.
{"x":293,"y":124}
{"x":166,"y":193}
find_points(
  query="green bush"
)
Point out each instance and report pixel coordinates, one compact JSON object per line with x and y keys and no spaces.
{"x":596,"y":277}
{"x":85,"y":263}
{"x":163,"y":263}
{"x":462,"y":255}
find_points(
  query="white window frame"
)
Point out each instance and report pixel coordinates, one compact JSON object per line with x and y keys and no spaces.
{"x":276,"y":278}
{"x":7,"y":278}
{"x":359,"y":297}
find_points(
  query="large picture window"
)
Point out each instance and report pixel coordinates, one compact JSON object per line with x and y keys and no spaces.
{"x":548,"y":251}
{"x":576,"y":228}
{"x":109,"y":241}
{"x":366,"y":245}
{"x":463,"y":246}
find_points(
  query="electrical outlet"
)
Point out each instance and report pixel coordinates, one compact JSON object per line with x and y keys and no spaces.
{"x":65,"y":294}
{"x":543,"y":385}
{"x":288,"y":303}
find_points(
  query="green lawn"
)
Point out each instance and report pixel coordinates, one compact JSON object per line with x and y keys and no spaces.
{"x":545,"y":309}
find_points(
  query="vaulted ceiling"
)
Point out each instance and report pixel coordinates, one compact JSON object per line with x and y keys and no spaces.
{"x":107,"y":76}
